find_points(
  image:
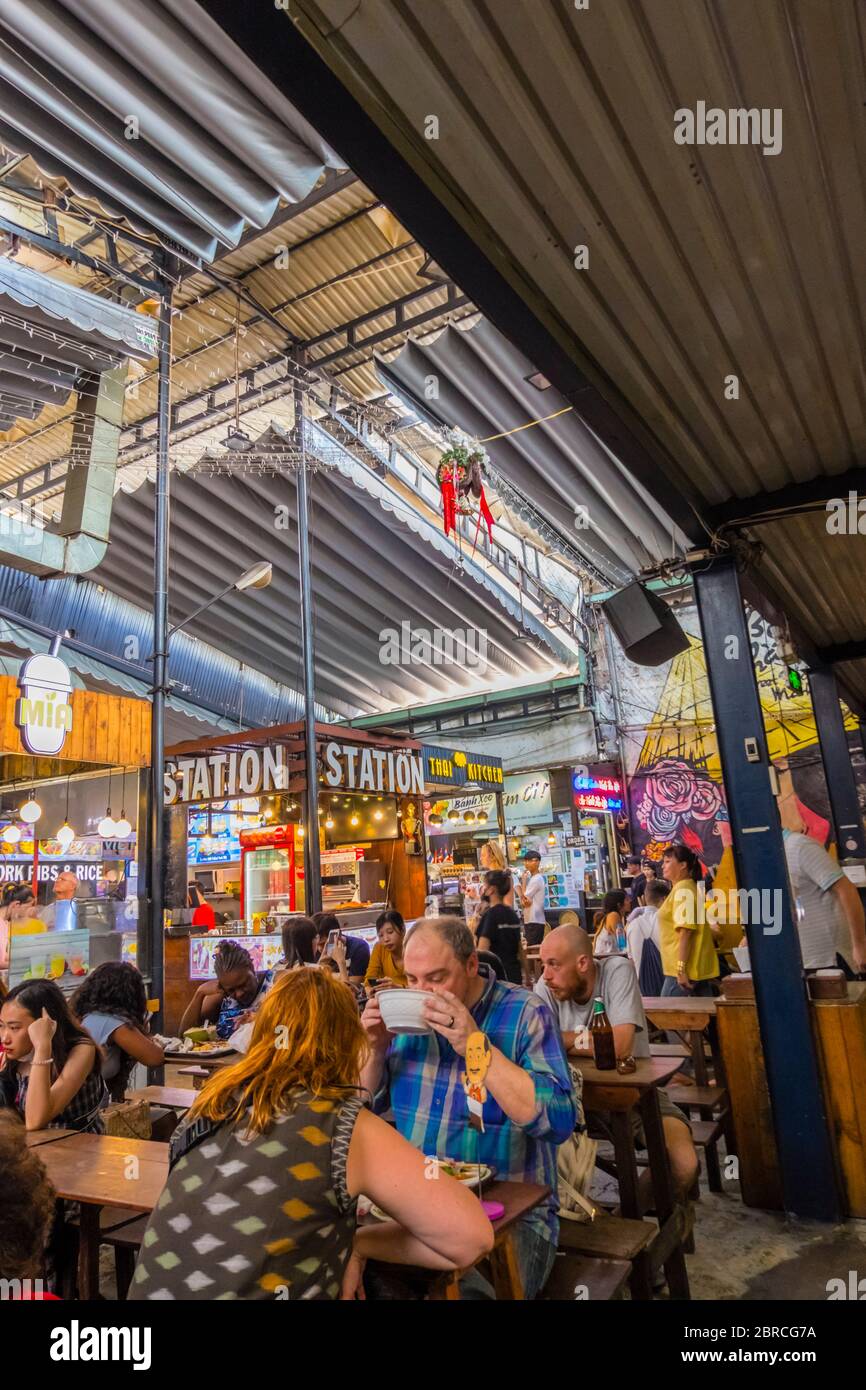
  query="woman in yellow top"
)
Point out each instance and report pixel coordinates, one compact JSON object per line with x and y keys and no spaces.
{"x":688,"y":952}
{"x":386,"y":957}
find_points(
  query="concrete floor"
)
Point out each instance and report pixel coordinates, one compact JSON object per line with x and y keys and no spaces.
{"x":743,"y":1253}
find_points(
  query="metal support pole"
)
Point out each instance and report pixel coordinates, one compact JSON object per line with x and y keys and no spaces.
{"x":805,"y":1147}
{"x":312,"y":859}
{"x":838,"y":769}
{"x":160,"y":661}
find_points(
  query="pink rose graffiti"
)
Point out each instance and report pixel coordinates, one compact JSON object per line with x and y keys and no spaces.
{"x":673,"y":793}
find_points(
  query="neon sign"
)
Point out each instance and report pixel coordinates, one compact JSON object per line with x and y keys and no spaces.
{"x":597,"y":793}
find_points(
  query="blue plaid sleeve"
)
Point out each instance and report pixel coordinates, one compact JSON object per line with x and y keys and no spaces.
{"x":540,"y":1052}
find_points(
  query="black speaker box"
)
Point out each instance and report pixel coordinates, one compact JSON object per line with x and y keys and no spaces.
{"x":647,"y":629}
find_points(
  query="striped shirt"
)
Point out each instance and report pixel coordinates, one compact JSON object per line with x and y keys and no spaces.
{"x":424,"y":1087}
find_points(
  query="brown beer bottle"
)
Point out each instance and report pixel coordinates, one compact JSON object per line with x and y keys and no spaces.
{"x":601,"y":1032}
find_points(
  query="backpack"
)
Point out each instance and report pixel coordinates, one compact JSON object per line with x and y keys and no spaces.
{"x":575,"y":1164}
{"x":651,"y":977}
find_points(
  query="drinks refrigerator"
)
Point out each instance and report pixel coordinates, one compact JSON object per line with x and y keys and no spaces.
{"x":267,"y":869}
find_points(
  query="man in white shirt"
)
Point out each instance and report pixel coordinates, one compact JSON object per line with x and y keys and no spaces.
{"x":643,"y":922}
{"x":530,"y":893}
{"x":832,"y":921}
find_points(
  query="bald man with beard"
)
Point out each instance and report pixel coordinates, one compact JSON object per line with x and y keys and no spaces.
{"x":572,"y":980}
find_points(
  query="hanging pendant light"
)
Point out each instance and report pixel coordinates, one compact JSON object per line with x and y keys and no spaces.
{"x":482,"y":817}
{"x":107,"y":827}
{"x":453,"y":815}
{"x":329,"y":823}
{"x":469,"y":817}
{"x":30,"y":811}
{"x":11,"y":835}
{"x":123,"y":827}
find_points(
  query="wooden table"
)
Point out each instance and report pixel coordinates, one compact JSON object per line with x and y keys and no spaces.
{"x":617,"y":1095}
{"x":97,"y":1170}
{"x":518,"y":1198}
{"x":691,"y":1018}
{"x":35,"y":1138}
{"x":171,"y":1097}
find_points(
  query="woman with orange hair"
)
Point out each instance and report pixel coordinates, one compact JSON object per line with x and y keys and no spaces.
{"x":265,"y":1174}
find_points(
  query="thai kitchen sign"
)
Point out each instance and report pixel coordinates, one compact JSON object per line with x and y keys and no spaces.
{"x":43,"y":712}
{"x":452,"y":767}
{"x":366,"y":769}
{"x":227,"y":775}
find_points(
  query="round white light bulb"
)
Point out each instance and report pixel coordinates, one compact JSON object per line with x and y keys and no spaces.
{"x":123,"y":828}
{"x":30,"y":812}
{"x":107,"y":827}
{"x":11,"y":835}
{"x":65,"y":835}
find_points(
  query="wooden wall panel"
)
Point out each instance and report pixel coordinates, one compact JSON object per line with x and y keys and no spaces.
{"x":106,"y":729}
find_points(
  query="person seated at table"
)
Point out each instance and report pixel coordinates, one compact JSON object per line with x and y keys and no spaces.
{"x":689,"y":960}
{"x":386,"y":957}
{"x":499,"y":929}
{"x":265,"y":1172}
{"x":26,"y":1210}
{"x":357,"y":952}
{"x":230,"y":999}
{"x":52,"y":1068}
{"x":571,"y":982}
{"x":299,"y":943}
{"x":530,"y":1108}
{"x":609,"y":923}
{"x":111,"y":1004}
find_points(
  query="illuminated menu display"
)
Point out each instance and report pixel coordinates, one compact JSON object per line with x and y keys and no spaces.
{"x":597,"y":793}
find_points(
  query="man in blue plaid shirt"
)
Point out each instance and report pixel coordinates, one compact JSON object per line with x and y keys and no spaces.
{"x":530,"y":1107}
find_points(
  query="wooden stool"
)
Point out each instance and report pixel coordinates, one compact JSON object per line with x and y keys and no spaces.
{"x":616,"y":1238}
{"x":706,"y":1135}
{"x":603,"y":1280}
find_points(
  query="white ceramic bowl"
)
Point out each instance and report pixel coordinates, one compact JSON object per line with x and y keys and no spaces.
{"x":741,"y":955}
{"x":403,"y":1010}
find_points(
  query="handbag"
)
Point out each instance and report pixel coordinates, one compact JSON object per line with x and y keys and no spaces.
{"x":128,"y":1119}
{"x":575,"y":1164}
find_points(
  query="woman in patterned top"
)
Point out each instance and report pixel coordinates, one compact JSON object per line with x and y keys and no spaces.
{"x":265,"y":1173}
{"x":51,"y":1071}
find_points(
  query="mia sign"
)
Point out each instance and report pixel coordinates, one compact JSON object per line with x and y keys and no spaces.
{"x":43,"y":712}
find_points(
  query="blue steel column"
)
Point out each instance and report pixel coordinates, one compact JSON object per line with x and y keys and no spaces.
{"x":806,"y":1157}
{"x":838,"y":769}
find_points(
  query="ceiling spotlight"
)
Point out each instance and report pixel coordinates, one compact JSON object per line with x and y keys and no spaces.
{"x":30,"y":811}
{"x":237,"y":439}
{"x":11,"y":835}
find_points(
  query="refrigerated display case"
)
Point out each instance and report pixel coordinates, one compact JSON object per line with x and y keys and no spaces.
{"x":267,"y":870}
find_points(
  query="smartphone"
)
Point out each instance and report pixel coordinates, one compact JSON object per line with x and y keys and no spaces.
{"x":333,"y":938}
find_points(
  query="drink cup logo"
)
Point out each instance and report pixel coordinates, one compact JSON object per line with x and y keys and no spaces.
{"x":43,"y":712}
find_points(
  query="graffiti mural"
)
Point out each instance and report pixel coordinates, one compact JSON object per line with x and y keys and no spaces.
{"x":675,"y":782}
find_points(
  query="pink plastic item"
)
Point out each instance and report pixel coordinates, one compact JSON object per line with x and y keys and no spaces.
{"x":493,"y":1210}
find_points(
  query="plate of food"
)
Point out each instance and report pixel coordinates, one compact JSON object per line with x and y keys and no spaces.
{"x":470,"y":1174}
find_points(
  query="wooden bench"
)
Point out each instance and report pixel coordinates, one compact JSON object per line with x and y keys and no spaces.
{"x":617,"y":1238}
{"x":575,"y":1278}
{"x":708,"y":1098}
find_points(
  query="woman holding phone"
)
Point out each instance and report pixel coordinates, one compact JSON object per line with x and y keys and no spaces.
{"x":386,"y":957}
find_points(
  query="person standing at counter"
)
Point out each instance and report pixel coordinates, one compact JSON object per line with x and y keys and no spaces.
{"x":530,"y":892}
{"x":499,"y":928}
{"x":386,"y":957}
{"x":492,"y":859}
{"x":237,"y":991}
{"x":62,"y":913}
{"x":203,"y":914}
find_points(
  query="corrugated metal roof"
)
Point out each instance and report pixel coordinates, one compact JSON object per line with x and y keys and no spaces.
{"x":211,"y":144}
{"x":706,"y":262}
{"x":376,"y":564}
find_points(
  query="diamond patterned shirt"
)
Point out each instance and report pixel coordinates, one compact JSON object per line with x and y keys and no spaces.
{"x":256,"y":1216}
